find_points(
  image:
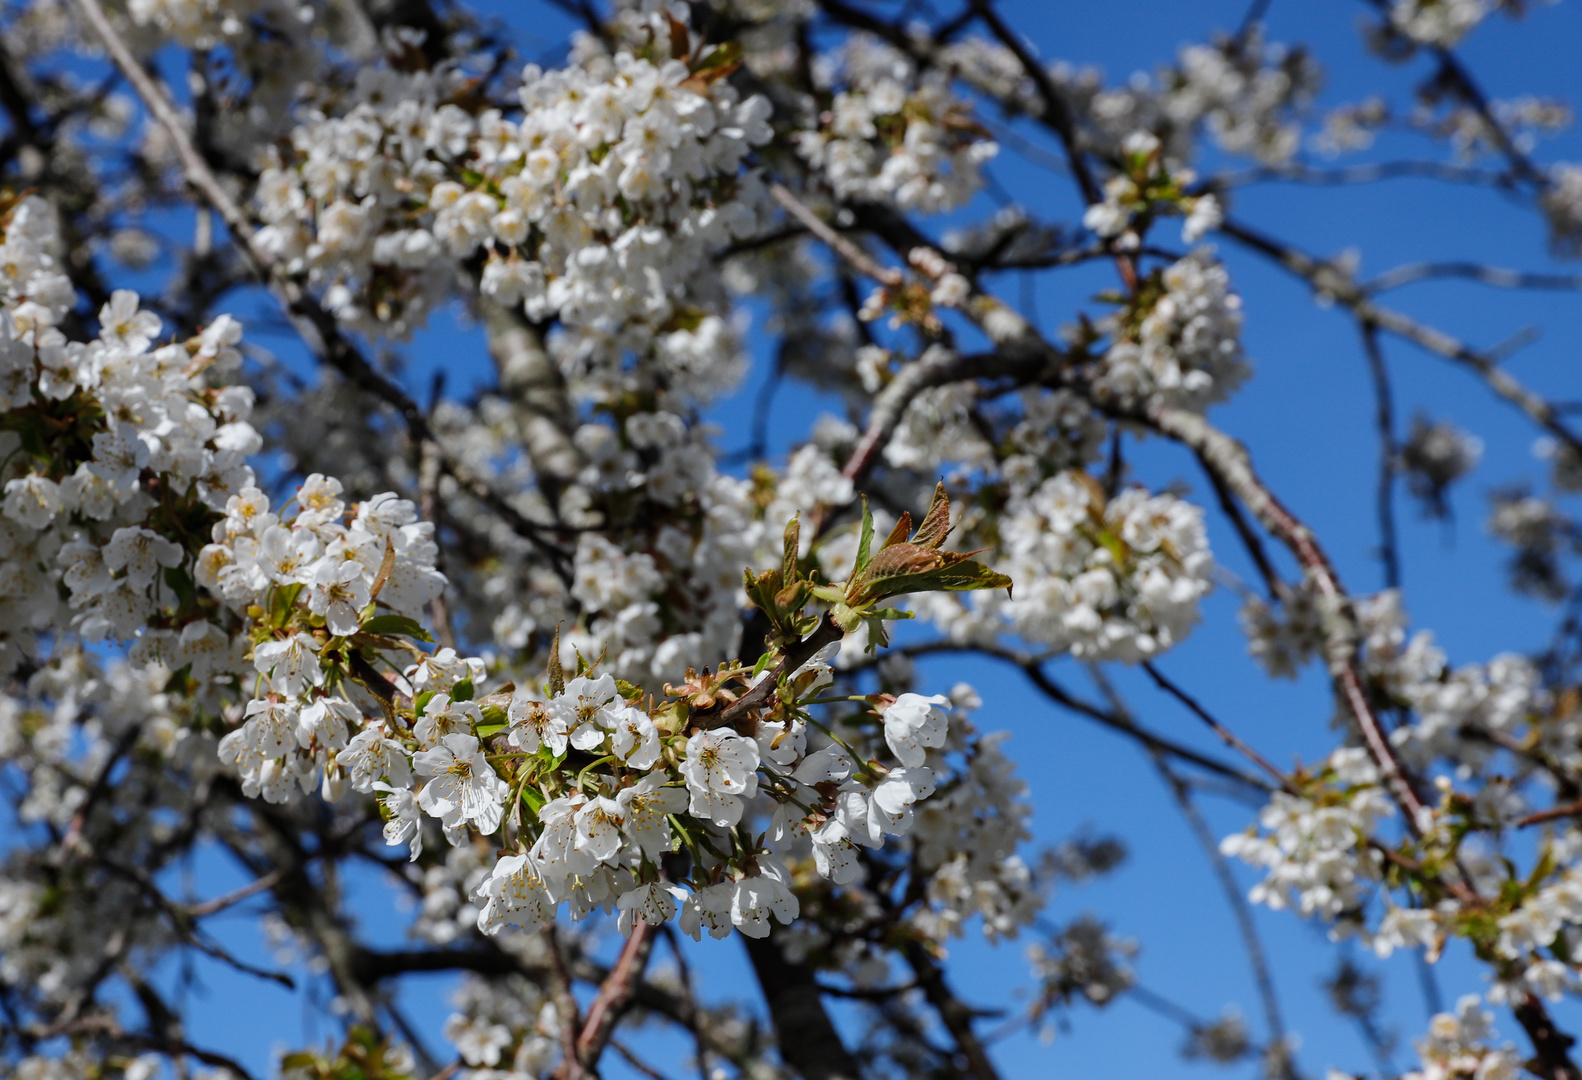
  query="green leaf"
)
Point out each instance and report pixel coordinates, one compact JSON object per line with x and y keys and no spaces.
{"x":864,"y":539}
{"x":420,"y":702}
{"x":396,"y":624}
{"x":627,"y":690}
{"x":907,"y":568}
{"x":281,"y":603}
{"x":462,"y":691}
{"x":485,"y":730}
{"x":179,"y":584}
{"x":533,"y":798}
{"x":493,"y":714}
{"x":729,"y":53}
{"x":763,"y":663}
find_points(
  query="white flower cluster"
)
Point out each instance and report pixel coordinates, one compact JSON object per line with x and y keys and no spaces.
{"x":60,"y":730}
{"x":1458,"y":712}
{"x":491,"y":1019}
{"x":601,"y":843}
{"x":125,"y":440}
{"x":1561,"y":202}
{"x":1436,"y":455}
{"x":1109,"y":579}
{"x":890,"y":133}
{"x":1283,"y":638}
{"x":1242,"y":91}
{"x":1315,"y":855}
{"x":1553,"y":911}
{"x":966,"y":840}
{"x":1180,"y":342}
{"x":1457,"y":1047}
{"x":1149,"y":185}
{"x":200,"y":24}
{"x":317,"y":575}
{"x":599,"y":204}
{"x":620,"y":589}
{"x":1441,"y":23}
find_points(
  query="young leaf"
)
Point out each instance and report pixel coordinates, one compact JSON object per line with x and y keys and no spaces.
{"x":864,"y":539}
{"x":907,"y":568}
{"x":396,"y":624}
{"x":936,"y":523}
{"x":793,"y":546}
{"x":898,"y":535}
{"x":557,"y":675}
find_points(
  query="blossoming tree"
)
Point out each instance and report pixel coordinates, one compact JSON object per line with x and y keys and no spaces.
{"x":581,"y":684}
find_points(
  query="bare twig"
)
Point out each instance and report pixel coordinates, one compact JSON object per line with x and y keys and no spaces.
{"x":1231,"y":738}
{"x":235,"y":896}
{"x":1330,"y":280}
{"x":615,"y":995}
{"x":887,"y":276}
{"x":1496,"y":276}
{"x":1384,"y":416}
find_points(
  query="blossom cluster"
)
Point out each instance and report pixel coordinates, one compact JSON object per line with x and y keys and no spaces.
{"x":1178,"y":341}
{"x":602,"y":843}
{"x":1244,"y":93}
{"x":111,"y":448}
{"x":598,"y":198}
{"x":1314,"y":853}
{"x":891,"y":133}
{"x":1457,"y":1046}
{"x":1108,"y":578}
{"x":1147,"y":185}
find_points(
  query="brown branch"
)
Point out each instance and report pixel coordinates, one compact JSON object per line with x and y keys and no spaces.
{"x":107,"y":1027}
{"x":1495,"y":276}
{"x":1231,"y":738}
{"x":860,"y":260}
{"x":1329,"y":280}
{"x":1384,"y":416}
{"x":797,"y":653}
{"x":809,"y":1041}
{"x":1551,"y":1046}
{"x":236,"y":896}
{"x":1056,"y":112}
{"x":1552,"y":814}
{"x":560,"y":992}
{"x":615,"y":995}
{"x":953,"y":1012}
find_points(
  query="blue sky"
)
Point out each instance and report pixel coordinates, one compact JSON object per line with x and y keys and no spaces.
{"x":1307,"y":417}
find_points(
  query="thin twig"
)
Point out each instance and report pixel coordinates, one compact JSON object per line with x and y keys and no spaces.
{"x":1231,"y":738}
{"x":1384,"y":414}
{"x":1496,"y":276}
{"x":236,"y":896}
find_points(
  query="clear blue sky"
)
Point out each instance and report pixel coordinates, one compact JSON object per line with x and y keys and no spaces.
{"x":1307,"y":417}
